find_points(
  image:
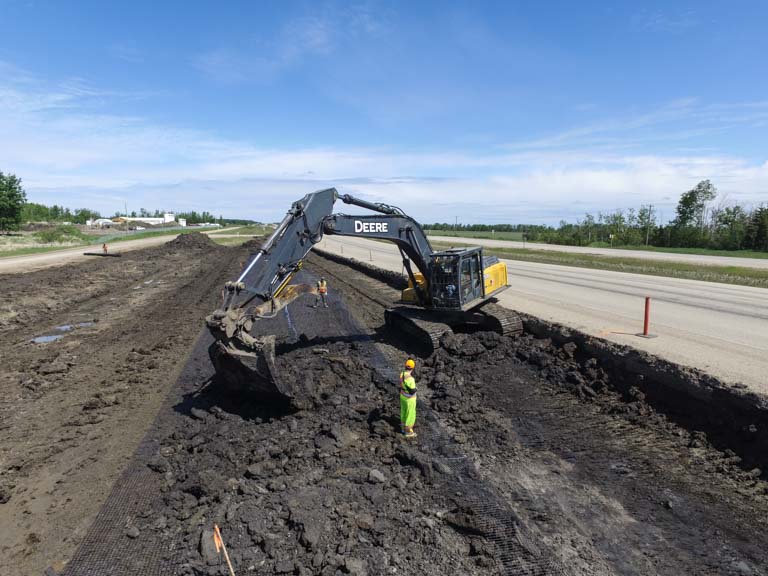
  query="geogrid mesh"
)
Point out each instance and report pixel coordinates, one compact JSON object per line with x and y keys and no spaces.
{"x":108,"y":551}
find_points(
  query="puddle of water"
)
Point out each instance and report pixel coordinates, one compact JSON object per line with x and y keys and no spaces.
{"x":46,"y":339}
{"x":63,"y":328}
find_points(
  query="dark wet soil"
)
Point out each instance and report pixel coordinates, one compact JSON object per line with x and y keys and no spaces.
{"x":73,"y":410}
{"x":533,"y":457}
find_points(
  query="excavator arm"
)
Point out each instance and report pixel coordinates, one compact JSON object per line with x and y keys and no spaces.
{"x":263,"y":288}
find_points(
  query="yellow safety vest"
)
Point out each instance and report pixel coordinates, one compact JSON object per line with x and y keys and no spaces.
{"x":407,"y":385}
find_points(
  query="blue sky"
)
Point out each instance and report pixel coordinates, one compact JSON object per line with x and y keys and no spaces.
{"x":495,"y":111}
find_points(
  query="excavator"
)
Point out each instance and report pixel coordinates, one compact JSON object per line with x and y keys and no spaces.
{"x":447,"y":290}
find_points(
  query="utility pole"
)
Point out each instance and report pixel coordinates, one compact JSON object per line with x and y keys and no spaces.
{"x":648,"y":226}
{"x":456,"y":223}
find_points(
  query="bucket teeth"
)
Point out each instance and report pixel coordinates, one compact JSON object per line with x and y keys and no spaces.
{"x":244,"y":362}
{"x":248,"y":369}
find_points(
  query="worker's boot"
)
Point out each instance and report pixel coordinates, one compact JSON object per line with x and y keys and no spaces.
{"x":409,"y":433}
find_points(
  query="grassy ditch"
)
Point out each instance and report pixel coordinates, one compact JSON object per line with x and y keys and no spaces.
{"x":725,"y":274}
{"x":252,"y":230}
{"x":518,"y":237}
{"x":67,"y":237}
{"x":230,"y":240}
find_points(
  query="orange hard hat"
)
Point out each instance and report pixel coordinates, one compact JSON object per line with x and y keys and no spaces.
{"x":410,"y":364}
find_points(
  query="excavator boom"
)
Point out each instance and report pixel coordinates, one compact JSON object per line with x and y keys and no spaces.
{"x":263,"y":288}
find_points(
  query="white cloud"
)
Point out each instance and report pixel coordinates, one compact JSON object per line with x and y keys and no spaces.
{"x":260,"y":60}
{"x":70,"y":155}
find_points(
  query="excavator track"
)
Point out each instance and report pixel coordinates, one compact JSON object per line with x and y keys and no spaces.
{"x":502,"y":320}
{"x":414,"y":323}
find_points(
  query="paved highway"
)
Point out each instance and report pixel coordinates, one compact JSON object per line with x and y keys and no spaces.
{"x":721,"y":329}
{"x":617,"y":252}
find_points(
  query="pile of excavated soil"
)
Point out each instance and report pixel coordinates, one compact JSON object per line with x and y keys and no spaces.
{"x":333,"y":489}
{"x":570,"y":441}
{"x":454,"y":373}
{"x":191,"y":241}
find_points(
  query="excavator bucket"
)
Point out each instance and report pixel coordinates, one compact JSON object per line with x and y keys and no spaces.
{"x":248,"y":370}
{"x":245,"y":363}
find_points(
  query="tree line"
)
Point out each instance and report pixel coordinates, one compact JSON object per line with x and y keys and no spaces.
{"x":700,"y":222}
{"x":15,"y":210}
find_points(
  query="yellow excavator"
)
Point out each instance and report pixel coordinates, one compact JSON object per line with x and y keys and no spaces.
{"x":448,"y":289}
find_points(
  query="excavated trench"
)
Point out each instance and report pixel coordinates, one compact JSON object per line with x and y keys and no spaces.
{"x":535,"y":456}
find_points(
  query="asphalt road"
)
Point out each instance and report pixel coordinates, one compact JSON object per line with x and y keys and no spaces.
{"x":721,"y":329}
{"x":616,"y":252}
{"x":31,"y":262}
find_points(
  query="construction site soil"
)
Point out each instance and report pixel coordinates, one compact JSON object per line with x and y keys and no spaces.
{"x":535,"y":455}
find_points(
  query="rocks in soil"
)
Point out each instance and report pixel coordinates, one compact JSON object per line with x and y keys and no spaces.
{"x":376,"y":477}
{"x":325,"y":489}
{"x":5,"y":494}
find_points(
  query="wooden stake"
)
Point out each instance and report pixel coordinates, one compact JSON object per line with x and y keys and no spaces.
{"x":219,"y":542}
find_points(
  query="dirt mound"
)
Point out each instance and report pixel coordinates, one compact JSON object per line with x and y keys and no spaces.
{"x":318,"y":491}
{"x":255,"y":243}
{"x":454,"y":372}
{"x":192,"y":241}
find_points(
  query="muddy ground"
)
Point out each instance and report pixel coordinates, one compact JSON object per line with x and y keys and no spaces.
{"x":532,"y":456}
{"x":73,"y":410}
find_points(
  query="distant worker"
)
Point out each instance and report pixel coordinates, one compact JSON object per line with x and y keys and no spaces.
{"x":408,"y":399}
{"x":322,"y":292}
{"x":104,"y":247}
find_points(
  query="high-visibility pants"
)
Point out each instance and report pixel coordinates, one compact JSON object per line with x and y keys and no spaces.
{"x":407,"y":411}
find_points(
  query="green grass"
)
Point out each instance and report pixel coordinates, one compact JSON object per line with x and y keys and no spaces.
{"x":252,"y":230}
{"x":110,"y":239}
{"x":230,"y":241}
{"x":60,"y":234}
{"x":724,"y":274}
{"x":701,"y":251}
{"x":517,"y":236}
{"x":84,"y":240}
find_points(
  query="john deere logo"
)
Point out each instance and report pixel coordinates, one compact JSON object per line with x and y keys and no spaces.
{"x":371,"y":226}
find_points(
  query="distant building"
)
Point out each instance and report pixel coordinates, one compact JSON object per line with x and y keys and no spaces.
{"x":167,"y":218}
{"x":182,"y":222}
{"x":102,"y":223}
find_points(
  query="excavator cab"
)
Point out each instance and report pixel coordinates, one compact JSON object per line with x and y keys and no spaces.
{"x":460,"y":278}
{"x":450,"y":289}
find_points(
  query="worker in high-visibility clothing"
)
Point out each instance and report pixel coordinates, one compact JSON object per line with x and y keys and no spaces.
{"x":408,"y":399}
{"x":322,"y":292}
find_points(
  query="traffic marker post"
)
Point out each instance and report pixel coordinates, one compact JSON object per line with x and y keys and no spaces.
{"x":647,"y":320}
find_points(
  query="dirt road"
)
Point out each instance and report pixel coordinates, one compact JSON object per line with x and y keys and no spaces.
{"x":73,"y":410}
{"x":719,"y":328}
{"x":31,"y":262}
